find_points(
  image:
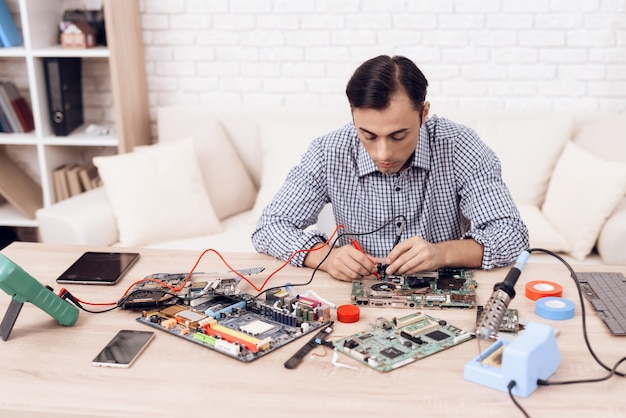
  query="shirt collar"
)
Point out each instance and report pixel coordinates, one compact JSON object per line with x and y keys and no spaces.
{"x":421,"y":158}
{"x":364,"y":163}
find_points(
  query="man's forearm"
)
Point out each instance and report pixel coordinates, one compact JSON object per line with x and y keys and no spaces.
{"x":462,"y":253}
{"x":315,"y":256}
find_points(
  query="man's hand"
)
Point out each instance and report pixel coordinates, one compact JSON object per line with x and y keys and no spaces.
{"x":415,"y":254}
{"x":344,"y":263}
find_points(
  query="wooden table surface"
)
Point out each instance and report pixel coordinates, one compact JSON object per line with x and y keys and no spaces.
{"x":46,"y":369}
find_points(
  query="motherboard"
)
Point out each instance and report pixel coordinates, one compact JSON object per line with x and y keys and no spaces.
{"x":158,"y":289}
{"x":400,"y":341}
{"x":239,"y":325}
{"x":443,"y":288}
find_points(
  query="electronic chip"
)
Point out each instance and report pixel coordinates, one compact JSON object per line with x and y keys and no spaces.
{"x":437,"y":335}
{"x":257,"y":327}
{"x":391,"y":352}
{"x":350,"y":344}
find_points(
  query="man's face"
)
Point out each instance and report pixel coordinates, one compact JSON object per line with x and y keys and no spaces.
{"x":390,"y":135}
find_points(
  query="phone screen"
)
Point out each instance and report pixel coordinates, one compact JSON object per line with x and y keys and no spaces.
{"x":123,"y":349}
{"x":98,"y":268}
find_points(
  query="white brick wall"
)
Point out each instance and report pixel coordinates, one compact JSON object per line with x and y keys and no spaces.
{"x":495,"y":54}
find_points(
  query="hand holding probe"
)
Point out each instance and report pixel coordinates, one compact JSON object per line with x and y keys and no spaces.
{"x":356,"y":245}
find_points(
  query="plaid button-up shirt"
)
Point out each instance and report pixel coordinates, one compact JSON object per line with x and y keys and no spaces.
{"x":452,"y":190}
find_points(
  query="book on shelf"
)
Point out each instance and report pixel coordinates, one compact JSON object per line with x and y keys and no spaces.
{"x":61,"y":186}
{"x":9,"y":35}
{"x":89,"y":177}
{"x":20,"y":107}
{"x":5,"y":126}
{"x":73,"y":179}
{"x":8,"y":110}
{"x":18,"y":188}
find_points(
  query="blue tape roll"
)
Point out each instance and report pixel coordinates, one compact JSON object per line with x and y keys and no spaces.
{"x":554,"y":308}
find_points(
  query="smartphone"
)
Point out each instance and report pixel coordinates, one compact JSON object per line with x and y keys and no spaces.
{"x":98,"y":268}
{"x":123,"y":349}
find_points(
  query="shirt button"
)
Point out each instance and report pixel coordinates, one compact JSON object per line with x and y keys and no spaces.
{"x":398,"y":189}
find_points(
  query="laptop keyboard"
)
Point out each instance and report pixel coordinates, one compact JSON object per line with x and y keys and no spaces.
{"x":607,"y":294}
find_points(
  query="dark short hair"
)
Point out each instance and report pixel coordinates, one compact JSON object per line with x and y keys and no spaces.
{"x":376,"y":80}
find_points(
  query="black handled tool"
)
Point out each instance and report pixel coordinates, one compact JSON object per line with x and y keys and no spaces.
{"x":317,"y":339}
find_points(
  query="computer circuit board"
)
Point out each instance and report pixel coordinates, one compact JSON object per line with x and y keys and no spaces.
{"x":395,"y":343}
{"x":444,"y":288}
{"x":239,"y":325}
{"x":156,"y":289}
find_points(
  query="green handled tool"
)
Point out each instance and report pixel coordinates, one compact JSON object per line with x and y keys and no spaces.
{"x":22,"y":287}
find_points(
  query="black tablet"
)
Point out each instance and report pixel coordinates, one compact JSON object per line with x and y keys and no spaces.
{"x":98,"y":268}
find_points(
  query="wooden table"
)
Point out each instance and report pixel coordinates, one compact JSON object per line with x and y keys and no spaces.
{"x":46,"y":369}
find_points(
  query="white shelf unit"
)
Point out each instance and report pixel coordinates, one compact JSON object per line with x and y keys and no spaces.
{"x":40,"y":152}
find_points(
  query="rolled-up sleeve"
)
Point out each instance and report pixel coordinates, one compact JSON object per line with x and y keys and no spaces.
{"x":285,"y":226}
{"x":486,"y":201}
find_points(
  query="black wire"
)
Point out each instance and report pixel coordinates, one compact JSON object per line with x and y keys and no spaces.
{"x":612,"y":370}
{"x":68,"y":295}
{"x":102,"y":311}
{"x":510,"y":387}
{"x":123,"y":300}
{"x":360,"y":234}
{"x":611,"y":373}
{"x":331,"y":247}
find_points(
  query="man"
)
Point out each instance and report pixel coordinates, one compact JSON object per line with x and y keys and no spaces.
{"x":394,"y":164}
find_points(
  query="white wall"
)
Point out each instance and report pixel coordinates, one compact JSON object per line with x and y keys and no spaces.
{"x":497,"y":54}
{"x":555,"y":55}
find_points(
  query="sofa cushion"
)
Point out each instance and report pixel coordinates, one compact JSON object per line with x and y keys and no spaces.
{"x":282,"y":145}
{"x":227,"y":182}
{"x":541,"y":234}
{"x":236,"y":237}
{"x":157,"y":194}
{"x":611,"y":239}
{"x":528,"y":147}
{"x":583,"y":192}
{"x":605,"y":138}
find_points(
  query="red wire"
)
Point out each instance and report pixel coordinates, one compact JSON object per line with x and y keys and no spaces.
{"x":258,"y":289}
{"x":182,"y":286}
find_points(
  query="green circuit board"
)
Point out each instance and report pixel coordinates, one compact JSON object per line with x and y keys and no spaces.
{"x":401,"y":341}
{"x":443,"y":288}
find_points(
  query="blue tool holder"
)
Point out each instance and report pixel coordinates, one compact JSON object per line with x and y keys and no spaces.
{"x":532,"y":355}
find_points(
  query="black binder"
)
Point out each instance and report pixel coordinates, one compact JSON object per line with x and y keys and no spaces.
{"x":65,"y":94}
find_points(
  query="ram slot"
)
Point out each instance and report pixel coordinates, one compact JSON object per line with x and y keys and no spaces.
{"x":421,"y":330}
{"x":408,"y":320}
{"x":230,"y":335}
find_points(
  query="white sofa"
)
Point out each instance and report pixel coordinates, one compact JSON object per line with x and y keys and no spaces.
{"x":213,"y":170}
